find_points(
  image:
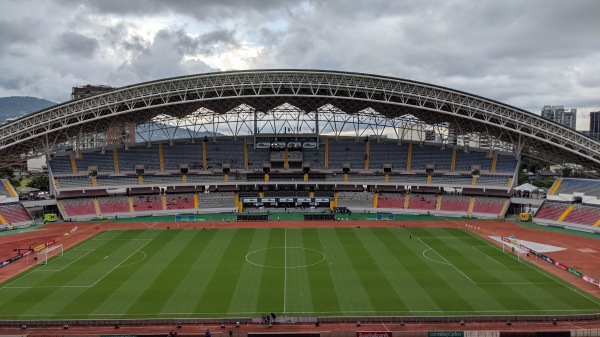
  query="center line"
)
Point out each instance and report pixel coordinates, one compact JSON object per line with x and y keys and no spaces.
{"x":284,"y":267}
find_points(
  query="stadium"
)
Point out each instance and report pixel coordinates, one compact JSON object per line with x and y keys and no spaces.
{"x":271,"y":201}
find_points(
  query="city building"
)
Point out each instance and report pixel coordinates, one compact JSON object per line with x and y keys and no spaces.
{"x":559,"y":114}
{"x":88,"y":90}
{"x":112,"y":136}
{"x":595,"y":124}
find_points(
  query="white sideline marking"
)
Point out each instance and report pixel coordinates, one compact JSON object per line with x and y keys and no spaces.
{"x":31,"y":271}
{"x":500,"y":263}
{"x":162,"y":314}
{"x":284,"y":267}
{"x":555,"y":280}
{"x":77,"y":286}
{"x":448,"y":262}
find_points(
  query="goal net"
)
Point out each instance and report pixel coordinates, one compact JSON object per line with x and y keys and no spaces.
{"x":45,"y":254}
{"x":511,"y":248}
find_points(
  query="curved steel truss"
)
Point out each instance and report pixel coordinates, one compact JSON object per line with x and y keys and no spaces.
{"x":298,"y":102}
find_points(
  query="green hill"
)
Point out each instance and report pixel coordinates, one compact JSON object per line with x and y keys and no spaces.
{"x":18,"y":106}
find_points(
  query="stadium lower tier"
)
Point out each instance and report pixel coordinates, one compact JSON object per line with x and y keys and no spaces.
{"x":113,"y":206}
{"x":562,"y":212}
{"x":14,"y":215}
{"x":182,"y":203}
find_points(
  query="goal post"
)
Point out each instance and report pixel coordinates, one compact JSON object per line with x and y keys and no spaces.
{"x":510,"y":248}
{"x":45,"y":254}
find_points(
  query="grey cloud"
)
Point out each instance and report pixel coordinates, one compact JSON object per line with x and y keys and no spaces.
{"x":524,"y":53}
{"x":209,"y":10}
{"x":15,"y":32}
{"x":165,"y":57}
{"x":220,"y":35}
{"x":77,"y":45}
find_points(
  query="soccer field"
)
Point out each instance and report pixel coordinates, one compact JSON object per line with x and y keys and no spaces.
{"x":296,"y":272}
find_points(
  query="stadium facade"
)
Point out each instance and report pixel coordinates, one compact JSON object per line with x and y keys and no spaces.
{"x":234,"y":141}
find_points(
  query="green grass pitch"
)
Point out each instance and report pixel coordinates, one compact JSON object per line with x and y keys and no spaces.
{"x":295,"y":272}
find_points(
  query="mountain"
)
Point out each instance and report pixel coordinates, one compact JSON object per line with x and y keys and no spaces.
{"x":18,"y":106}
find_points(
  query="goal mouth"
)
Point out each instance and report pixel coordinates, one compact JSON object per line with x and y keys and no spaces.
{"x":47,"y":253}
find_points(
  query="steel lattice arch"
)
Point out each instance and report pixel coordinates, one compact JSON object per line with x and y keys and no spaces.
{"x":256,"y":102}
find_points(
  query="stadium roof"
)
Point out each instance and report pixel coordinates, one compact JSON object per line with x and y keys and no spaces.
{"x":372,"y":102}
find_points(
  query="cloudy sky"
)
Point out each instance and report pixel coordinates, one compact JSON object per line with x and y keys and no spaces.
{"x":524,"y":53}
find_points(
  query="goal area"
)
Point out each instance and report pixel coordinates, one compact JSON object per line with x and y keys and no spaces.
{"x":45,"y":254}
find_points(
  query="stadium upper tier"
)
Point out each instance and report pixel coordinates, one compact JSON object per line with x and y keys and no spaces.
{"x":290,"y":102}
{"x":588,"y":187}
{"x":203,"y":162}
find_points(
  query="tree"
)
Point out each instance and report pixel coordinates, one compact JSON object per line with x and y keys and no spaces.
{"x":9,"y":173}
{"x":39,"y":181}
{"x":566,"y":172}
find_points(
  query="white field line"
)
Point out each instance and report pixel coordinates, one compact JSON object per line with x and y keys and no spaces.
{"x":498,"y":262}
{"x":284,"y":268}
{"x":65,"y":266}
{"x":7,"y":286}
{"x":224,"y":314}
{"x":31,"y":287}
{"x":119,"y":240}
{"x":34,"y":270}
{"x":134,"y":262}
{"x":117,"y":266}
{"x":440,"y":255}
{"x":445,"y":237}
{"x":430,"y":259}
{"x":556,"y":280}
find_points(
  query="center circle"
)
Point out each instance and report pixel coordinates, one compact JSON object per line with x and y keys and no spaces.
{"x":285,"y":257}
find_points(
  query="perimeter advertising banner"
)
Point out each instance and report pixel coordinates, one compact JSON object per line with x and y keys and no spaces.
{"x":575,"y":272}
{"x":40,"y":247}
{"x":373,"y":334}
{"x":552,"y":261}
{"x":278,"y":200}
{"x":27,"y":252}
{"x":561,"y":266}
{"x":446,"y":334}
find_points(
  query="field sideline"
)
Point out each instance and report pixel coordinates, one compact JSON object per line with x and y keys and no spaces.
{"x":297,"y":272}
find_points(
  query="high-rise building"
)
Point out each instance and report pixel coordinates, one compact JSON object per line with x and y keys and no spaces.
{"x":88,"y":90}
{"x":112,"y":136}
{"x":559,"y":114}
{"x":595,"y":124}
